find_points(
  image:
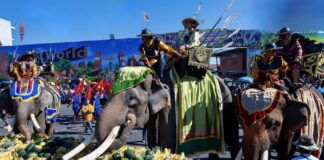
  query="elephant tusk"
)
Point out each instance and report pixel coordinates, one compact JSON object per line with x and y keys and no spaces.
{"x":128,"y":122}
{"x":265,"y":155}
{"x":79,"y":148}
{"x":104,"y":146}
{"x":35,"y":123}
{"x":239,"y":155}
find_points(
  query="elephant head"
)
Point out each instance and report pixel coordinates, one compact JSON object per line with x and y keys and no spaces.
{"x":126,"y":110}
{"x":130,"y":109}
{"x":278,"y":126}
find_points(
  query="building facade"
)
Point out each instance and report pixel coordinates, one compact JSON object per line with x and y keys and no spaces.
{"x":5,"y":33}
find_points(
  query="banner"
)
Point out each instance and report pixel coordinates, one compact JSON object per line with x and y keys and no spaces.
{"x":74,"y":59}
{"x":313,"y":64}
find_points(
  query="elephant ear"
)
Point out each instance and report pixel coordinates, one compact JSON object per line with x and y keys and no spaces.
{"x":296,"y":115}
{"x":159,"y":99}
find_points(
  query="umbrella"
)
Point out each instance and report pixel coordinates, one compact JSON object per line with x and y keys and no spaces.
{"x":245,"y":80}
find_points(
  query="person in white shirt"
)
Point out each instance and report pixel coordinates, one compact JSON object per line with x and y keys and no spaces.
{"x":191,"y":39}
{"x":305,"y":145}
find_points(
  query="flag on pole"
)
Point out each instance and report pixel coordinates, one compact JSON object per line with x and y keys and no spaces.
{"x":21,"y":31}
{"x":197,"y":11}
{"x":146,"y":17}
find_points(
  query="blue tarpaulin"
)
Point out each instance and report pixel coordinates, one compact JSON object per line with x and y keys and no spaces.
{"x":245,"y":80}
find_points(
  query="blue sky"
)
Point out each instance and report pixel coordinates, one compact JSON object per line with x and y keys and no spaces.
{"x":48,"y":21}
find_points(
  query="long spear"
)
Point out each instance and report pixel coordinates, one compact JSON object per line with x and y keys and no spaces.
{"x":220,"y":18}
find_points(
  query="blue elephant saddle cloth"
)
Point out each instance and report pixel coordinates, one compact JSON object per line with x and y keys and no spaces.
{"x":51,"y":114}
{"x":25,"y":90}
{"x":254,"y":104}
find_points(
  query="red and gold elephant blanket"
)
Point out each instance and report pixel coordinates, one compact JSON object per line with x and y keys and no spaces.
{"x":255,"y":104}
{"x":315,"y":123}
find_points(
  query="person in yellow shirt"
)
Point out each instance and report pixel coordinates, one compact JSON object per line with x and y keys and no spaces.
{"x":87,"y":111}
{"x":151,"y":49}
{"x":269,"y":68}
{"x":25,"y":68}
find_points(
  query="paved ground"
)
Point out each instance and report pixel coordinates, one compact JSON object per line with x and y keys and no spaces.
{"x":66,"y":126}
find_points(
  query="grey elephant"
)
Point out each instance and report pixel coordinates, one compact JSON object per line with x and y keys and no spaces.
{"x":280,"y":123}
{"x":34,"y":109}
{"x":136,"y":106}
{"x":129,"y":109}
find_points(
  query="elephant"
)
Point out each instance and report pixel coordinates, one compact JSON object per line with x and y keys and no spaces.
{"x":129,"y":109}
{"x":280,"y":126}
{"x":34,"y":110}
{"x":141,"y":104}
{"x":134,"y":105}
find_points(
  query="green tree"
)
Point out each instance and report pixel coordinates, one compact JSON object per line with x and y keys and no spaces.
{"x":82,"y":71}
{"x":90,"y":65}
{"x":268,"y":38}
{"x":63,"y":64}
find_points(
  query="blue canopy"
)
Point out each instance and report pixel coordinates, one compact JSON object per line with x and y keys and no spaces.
{"x":245,"y":80}
{"x":321,"y":90}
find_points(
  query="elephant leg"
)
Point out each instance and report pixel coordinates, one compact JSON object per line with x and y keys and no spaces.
{"x":42,"y":123}
{"x":127,"y":128}
{"x":163,"y":130}
{"x":231,"y":130}
{"x":153,"y":131}
{"x":16,"y":129}
{"x":50,"y":129}
{"x":170,"y":127}
{"x":23,"y":127}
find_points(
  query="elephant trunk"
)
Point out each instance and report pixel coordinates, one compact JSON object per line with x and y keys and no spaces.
{"x":114,"y":114}
{"x":255,"y":142}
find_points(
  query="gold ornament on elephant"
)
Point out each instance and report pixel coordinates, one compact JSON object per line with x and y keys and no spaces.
{"x":199,"y":57}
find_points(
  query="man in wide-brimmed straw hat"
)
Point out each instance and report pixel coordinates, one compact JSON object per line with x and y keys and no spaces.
{"x":150,"y":51}
{"x":305,"y":145}
{"x":26,"y":67}
{"x":191,"y":39}
{"x":292,"y":52}
{"x":268,"y":68}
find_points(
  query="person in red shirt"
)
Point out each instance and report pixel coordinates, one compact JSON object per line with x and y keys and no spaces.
{"x":292,"y":53}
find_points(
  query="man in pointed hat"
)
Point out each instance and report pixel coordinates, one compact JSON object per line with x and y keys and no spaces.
{"x":26,"y":67}
{"x":96,"y":102}
{"x":269,"y":68}
{"x":88,"y":110}
{"x":151,"y":51}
